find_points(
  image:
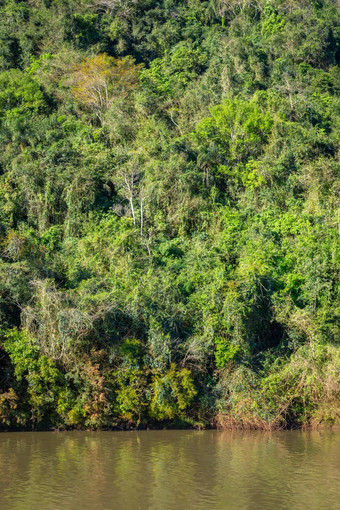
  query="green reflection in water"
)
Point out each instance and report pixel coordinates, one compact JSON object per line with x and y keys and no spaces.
{"x":174,"y":470}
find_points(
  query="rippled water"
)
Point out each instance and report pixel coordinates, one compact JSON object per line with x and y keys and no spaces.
{"x":163,"y":470}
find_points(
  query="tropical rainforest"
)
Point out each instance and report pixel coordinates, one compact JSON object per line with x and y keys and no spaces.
{"x":169,"y":213}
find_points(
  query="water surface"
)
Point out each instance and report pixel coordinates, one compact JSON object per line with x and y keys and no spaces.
{"x":170,"y":470}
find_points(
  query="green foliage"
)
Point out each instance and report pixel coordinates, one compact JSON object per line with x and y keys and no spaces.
{"x":172,"y":73}
{"x":230,"y":141}
{"x":273,"y":22}
{"x":172,"y":393}
{"x":301,"y":390}
{"x":20,"y":94}
{"x":225,"y":352}
{"x":169,"y":213}
{"x":38,"y":374}
{"x":131,"y":399}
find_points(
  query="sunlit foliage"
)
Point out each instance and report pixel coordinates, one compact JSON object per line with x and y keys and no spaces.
{"x":169,"y":213}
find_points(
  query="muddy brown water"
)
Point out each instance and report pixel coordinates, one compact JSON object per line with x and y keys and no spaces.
{"x":170,"y":470}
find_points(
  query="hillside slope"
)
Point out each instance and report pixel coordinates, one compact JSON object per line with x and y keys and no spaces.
{"x":169,"y":213}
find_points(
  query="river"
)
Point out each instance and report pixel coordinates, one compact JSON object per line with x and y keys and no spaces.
{"x":170,"y":470}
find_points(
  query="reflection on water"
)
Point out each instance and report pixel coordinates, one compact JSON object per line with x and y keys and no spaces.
{"x":163,"y":470}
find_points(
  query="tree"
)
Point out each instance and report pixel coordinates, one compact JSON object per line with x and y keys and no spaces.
{"x":19,"y":94}
{"x":99,"y":80}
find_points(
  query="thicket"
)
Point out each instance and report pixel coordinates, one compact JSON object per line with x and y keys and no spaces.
{"x":169,"y":213}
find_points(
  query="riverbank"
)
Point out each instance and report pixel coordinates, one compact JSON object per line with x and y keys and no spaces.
{"x":169,"y":214}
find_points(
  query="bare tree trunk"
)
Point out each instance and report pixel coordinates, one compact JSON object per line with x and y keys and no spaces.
{"x":141,"y":216}
{"x":130,"y":193}
{"x":132,"y":210}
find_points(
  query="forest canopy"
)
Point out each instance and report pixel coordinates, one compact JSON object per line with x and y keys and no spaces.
{"x":169,"y":213}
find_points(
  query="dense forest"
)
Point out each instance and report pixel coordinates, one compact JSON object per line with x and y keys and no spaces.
{"x":169,"y":213}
